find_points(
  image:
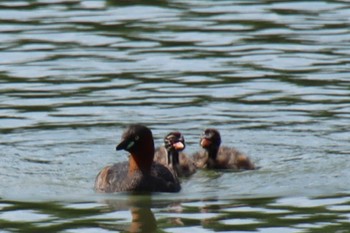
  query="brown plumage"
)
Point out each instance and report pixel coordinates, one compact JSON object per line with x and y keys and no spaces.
{"x":214,"y":156}
{"x":139,"y":174}
{"x":171,"y":154}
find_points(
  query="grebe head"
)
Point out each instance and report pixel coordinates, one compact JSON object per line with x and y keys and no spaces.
{"x":174,"y":141}
{"x":135,"y":138}
{"x":210,"y":139}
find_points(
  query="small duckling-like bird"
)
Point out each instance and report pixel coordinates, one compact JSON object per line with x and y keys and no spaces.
{"x":171,"y":154}
{"x":140,"y":173}
{"x":215,"y":156}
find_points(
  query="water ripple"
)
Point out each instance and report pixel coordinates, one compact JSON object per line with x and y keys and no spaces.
{"x":271,"y":76}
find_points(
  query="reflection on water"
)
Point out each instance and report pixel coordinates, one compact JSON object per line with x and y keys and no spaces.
{"x":272,"y":76}
{"x":145,"y":214}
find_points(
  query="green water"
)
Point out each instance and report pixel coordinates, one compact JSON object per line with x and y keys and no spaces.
{"x":271,"y":76}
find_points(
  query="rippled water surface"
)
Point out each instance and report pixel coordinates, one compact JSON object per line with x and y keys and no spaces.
{"x":272,"y":76}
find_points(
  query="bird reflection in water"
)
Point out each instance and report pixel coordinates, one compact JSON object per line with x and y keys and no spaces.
{"x":142,"y":217}
{"x":143,"y":220}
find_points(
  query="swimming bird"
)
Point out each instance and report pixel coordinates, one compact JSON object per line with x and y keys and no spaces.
{"x":214,"y":156}
{"x":171,"y":154}
{"x":140,"y":173}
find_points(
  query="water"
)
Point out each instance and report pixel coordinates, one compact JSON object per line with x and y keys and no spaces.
{"x":272,"y":76}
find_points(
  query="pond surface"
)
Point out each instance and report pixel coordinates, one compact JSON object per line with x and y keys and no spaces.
{"x":272,"y":76}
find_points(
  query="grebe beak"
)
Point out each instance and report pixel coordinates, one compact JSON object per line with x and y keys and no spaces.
{"x":125,"y":144}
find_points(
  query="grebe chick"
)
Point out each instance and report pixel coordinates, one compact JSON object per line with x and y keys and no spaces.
{"x":171,"y":154}
{"x":214,"y":156}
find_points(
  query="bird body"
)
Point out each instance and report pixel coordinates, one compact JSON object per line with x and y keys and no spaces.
{"x":140,"y":173}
